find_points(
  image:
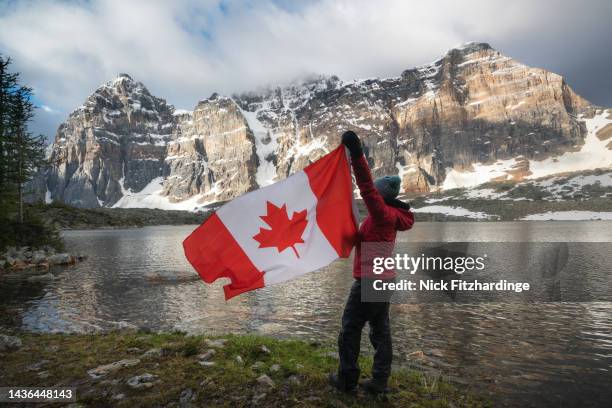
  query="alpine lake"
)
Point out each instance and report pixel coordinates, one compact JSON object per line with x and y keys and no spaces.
{"x":551,"y":345}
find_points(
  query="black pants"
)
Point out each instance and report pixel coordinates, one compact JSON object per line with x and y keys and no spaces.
{"x":356,"y":314}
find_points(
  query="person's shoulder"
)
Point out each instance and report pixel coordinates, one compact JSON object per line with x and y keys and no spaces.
{"x":404,"y":218}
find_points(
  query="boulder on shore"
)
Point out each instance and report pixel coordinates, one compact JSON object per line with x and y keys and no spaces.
{"x":24,"y":258}
{"x":9,"y":343}
{"x":145,"y":380}
{"x":103,"y":370}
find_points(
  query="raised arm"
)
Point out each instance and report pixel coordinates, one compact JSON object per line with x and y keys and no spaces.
{"x":372,"y":198}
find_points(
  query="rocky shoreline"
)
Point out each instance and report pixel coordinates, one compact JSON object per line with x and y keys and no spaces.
{"x":21,"y":258}
{"x":132,"y":368}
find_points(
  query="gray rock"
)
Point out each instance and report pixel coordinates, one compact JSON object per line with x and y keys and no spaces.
{"x":61,"y":259}
{"x":43,"y":375}
{"x":103,"y":370}
{"x":118,"y":397}
{"x":38,"y":257}
{"x":257,"y":398}
{"x":9,"y":343}
{"x":187,"y":396}
{"x":126,"y":326}
{"x":142,"y":381}
{"x":293,"y":380}
{"x":266,"y":381}
{"x":332,"y":354}
{"x":207,"y":355}
{"x":152,"y":353}
{"x":239,"y":360}
{"x":219,"y":343}
{"x":265,"y":349}
{"x":275,"y":367}
{"x":206,"y":363}
{"x":37,"y":366}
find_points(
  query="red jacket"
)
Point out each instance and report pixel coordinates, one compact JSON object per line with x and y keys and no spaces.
{"x":381,"y":224}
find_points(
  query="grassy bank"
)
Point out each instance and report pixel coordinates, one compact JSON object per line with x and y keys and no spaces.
{"x":240,"y":371}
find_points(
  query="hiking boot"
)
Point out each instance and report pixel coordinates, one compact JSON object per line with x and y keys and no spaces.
{"x":340,"y":384}
{"x":372,"y":386}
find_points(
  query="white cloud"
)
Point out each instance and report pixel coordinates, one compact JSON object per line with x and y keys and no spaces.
{"x":184,"y":50}
{"x":48,"y":109}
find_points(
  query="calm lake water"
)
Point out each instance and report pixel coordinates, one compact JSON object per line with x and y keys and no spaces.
{"x":553,"y":348}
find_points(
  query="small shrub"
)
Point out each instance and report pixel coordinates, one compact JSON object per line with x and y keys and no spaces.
{"x":34,"y":232}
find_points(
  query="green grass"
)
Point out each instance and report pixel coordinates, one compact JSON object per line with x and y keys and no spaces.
{"x":227,"y":383}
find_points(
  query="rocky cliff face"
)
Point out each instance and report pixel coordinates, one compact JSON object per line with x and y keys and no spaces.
{"x":211,"y":154}
{"x":472,"y":106}
{"x":472,"y":116}
{"x":125,"y":145}
{"x":114,"y":143}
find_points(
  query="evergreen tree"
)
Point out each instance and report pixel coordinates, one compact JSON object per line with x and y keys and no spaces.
{"x":8,"y":84}
{"x":21,"y":153}
{"x":28,"y":151}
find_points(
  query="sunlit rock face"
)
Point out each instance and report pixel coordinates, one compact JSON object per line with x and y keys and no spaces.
{"x":472,"y":106}
{"x":473,"y":109}
{"x":476,"y":105}
{"x":123,"y":141}
{"x":115,"y":141}
{"x":211,"y":154}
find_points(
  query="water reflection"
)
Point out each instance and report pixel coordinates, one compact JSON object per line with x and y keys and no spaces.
{"x":545,"y":351}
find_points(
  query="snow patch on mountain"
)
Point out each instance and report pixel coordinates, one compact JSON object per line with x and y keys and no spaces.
{"x":593,"y":154}
{"x":150,"y":197}
{"x":306,"y":149}
{"x":454,"y":211}
{"x":229,"y":146}
{"x":265,"y":146}
{"x":482,"y":173}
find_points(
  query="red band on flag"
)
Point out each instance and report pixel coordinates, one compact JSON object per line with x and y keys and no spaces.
{"x":214,"y":253}
{"x":330,"y":181}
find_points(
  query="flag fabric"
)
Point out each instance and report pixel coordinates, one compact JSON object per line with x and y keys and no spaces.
{"x":279,"y":232}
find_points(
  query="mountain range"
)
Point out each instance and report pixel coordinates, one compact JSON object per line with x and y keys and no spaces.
{"x":471,"y":117}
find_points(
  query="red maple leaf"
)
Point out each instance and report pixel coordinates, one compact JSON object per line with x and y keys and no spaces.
{"x":285,"y":232}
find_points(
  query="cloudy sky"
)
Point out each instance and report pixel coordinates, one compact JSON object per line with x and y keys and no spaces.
{"x":184,"y":50}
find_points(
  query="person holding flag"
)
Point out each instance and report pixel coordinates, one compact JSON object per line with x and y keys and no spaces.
{"x":302,"y":224}
{"x":386,"y":216}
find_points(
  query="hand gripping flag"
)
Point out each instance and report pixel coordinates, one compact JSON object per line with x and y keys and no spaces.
{"x":278,"y":232}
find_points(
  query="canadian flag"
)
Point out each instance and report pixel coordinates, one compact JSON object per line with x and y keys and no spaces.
{"x":278,"y":232}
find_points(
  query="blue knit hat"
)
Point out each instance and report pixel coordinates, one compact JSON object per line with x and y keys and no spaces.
{"x":388,"y":186}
